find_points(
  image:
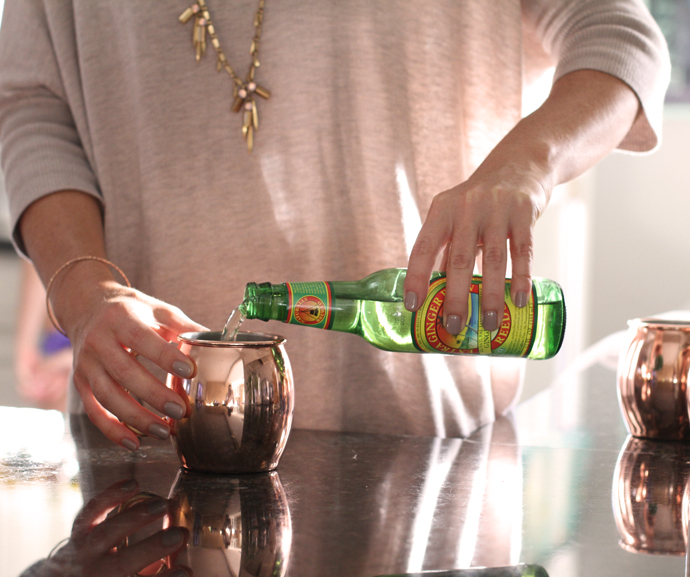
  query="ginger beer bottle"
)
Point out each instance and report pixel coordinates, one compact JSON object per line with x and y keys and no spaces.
{"x":373,"y":309}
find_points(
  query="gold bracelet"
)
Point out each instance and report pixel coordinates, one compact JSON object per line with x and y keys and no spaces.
{"x":51,"y":314}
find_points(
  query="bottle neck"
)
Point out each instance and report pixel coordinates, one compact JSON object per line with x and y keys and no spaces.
{"x":265,"y":301}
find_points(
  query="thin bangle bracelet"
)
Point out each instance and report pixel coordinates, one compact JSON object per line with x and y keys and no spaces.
{"x":51,"y":314}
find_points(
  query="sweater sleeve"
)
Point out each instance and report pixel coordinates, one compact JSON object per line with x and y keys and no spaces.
{"x":618,"y":37}
{"x":42,"y":147}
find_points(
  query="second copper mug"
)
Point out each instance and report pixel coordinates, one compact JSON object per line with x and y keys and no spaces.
{"x":653,"y":379}
{"x":240,"y":403}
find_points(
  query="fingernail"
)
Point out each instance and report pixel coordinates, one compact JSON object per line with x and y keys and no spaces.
{"x":174,"y":410}
{"x":411,"y":301}
{"x":157,"y":507}
{"x":129,"y":485}
{"x":182,"y":369}
{"x":129,"y":444}
{"x":171,"y":537}
{"x":520,"y":299}
{"x":490,"y":321}
{"x":453,"y":325}
{"x":159,"y":431}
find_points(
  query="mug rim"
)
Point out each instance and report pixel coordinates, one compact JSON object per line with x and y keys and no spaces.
{"x":664,"y":323}
{"x":245,"y":339}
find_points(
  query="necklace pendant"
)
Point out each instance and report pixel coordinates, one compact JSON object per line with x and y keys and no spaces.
{"x":261,"y":91}
{"x":250,"y":123}
{"x":237,"y":103}
{"x":250,"y":118}
{"x":244,"y":100}
{"x":244,"y":91}
{"x":199,"y":36}
{"x":188,"y":13}
{"x":255,"y":116}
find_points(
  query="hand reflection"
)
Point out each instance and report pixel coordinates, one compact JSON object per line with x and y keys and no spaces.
{"x":98,"y":543}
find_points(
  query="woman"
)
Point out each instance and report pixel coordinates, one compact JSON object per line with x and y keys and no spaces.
{"x":119,"y":143}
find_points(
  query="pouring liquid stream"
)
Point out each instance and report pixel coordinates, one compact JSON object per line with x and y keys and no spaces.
{"x":233,"y":324}
{"x":230,"y":330}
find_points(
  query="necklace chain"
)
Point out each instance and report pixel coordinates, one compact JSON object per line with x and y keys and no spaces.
{"x":244,"y":91}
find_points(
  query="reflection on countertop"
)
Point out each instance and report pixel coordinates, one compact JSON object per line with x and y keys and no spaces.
{"x":650,"y":496}
{"x":534,"y":488}
{"x":237,"y":526}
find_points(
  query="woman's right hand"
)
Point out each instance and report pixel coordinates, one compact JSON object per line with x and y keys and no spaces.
{"x":109,"y":326}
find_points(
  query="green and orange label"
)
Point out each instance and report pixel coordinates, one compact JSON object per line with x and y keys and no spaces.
{"x":514,"y":335}
{"x":310,"y":303}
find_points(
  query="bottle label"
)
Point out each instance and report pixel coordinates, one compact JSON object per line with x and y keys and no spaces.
{"x":513,"y":337}
{"x":310,"y":303}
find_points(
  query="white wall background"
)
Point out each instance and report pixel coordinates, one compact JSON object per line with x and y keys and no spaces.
{"x":640,"y":236}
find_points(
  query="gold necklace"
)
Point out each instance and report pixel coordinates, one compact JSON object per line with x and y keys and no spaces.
{"x":243,"y":90}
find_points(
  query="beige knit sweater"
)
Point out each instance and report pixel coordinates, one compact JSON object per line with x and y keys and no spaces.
{"x":376,"y":106}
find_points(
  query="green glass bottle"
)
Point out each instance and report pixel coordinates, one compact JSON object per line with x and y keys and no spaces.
{"x":373,"y":309}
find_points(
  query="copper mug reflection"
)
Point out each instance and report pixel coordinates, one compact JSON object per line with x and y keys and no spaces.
{"x":653,"y":379}
{"x":240,"y":403}
{"x":237,"y":525}
{"x":650,"y":496}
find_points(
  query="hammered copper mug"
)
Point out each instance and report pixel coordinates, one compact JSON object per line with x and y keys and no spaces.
{"x":239,"y":403}
{"x":653,"y":379}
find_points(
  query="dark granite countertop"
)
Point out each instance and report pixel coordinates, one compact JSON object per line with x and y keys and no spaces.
{"x":559,"y":484}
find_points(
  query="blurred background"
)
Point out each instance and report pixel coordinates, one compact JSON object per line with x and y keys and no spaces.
{"x":615,"y":238}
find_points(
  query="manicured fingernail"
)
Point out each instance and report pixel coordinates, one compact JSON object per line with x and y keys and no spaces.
{"x":520,"y":299}
{"x":129,"y":485}
{"x":159,"y":431}
{"x":182,"y":369}
{"x":129,"y":444}
{"x":490,"y":320}
{"x":453,"y":324}
{"x":157,"y":507}
{"x":174,"y":410}
{"x":411,"y":301}
{"x":172,"y":537}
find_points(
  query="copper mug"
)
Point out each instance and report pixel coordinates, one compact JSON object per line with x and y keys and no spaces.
{"x":239,"y":403}
{"x":653,"y":379}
